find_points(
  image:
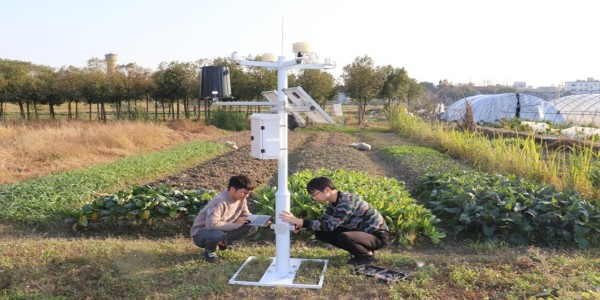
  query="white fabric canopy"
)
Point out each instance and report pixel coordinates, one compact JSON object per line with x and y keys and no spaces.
{"x":490,"y":108}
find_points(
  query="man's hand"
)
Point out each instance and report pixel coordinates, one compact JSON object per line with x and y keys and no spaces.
{"x":241,"y":221}
{"x":297,"y":229}
{"x":288,"y":217}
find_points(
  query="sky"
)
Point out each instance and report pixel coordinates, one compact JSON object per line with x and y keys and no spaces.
{"x":543,"y":43}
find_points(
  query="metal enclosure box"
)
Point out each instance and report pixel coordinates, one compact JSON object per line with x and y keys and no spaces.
{"x":265,"y":136}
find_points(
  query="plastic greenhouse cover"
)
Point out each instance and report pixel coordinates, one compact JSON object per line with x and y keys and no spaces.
{"x":490,"y":108}
{"x":581,"y":109}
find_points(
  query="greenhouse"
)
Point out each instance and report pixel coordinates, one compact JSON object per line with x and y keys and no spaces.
{"x":490,"y":108}
{"x":581,"y":110}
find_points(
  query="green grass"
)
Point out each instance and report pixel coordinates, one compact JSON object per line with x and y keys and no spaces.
{"x":49,"y":198}
{"x":423,"y":159}
{"x":329,"y":128}
{"x":171,"y":268}
{"x":378,"y":127}
{"x":309,"y":272}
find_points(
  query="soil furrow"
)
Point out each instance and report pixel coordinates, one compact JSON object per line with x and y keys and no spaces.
{"x":307,"y":150}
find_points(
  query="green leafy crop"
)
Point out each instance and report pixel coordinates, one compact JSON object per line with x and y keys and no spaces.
{"x":510,"y":208}
{"x":142,"y":205}
{"x":406,"y":218}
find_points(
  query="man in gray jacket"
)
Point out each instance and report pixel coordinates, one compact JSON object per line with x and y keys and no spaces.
{"x":224,"y":219}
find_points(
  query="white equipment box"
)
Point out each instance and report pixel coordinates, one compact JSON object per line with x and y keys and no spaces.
{"x":264,"y":137}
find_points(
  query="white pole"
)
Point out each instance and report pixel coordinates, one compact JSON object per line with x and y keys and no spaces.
{"x":282,"y":196}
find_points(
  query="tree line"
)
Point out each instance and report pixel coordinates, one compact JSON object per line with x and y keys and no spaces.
{"x":174,"y":88}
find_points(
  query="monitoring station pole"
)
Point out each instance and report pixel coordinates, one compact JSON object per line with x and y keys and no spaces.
{"x":283,"y":269}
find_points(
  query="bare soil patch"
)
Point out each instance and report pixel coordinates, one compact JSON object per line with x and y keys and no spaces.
{"x":307,"y":150}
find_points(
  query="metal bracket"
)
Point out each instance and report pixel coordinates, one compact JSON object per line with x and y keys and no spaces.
{"x":282,"y":228}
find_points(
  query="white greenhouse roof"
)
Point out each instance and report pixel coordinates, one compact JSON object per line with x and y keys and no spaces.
{"x":581,"y":110}
{"x":489,"y":108}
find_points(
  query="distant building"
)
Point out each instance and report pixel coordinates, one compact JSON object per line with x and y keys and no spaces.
{"x":544,"y":92}
{"x":581,"y":86}
{"x":519,"y":85}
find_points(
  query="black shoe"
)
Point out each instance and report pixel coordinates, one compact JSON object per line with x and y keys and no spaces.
{"x":211,"y":257}
{"x":226,"y":246}
{"x":362,"y":260}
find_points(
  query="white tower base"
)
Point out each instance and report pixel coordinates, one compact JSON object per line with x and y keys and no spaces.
{"x":286,"y":279}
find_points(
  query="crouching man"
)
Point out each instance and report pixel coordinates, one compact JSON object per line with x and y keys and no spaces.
{"x":349,"y":222}
{"x":223,"y":220}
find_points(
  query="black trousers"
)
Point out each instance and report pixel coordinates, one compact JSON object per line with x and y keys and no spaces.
{"x":358,"y":243}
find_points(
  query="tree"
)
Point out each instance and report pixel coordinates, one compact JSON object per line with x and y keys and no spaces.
{"x":117,"y":91}
{"x":396,"y":85}
{"x":137,"y":83}
{"x":428,"y":86}
{"x":97,"y":64}
{"x":258,"y":80}
{"x":70,"y":85}
{"x":95,"y":91}
{"x":176,"y":81}
{"x":17,"y":75}
{"x":52,"y":93}
{"x":319,"y":85}
{"x":448,"y":93}
{"x":414,"y":92}
{"x":96,"y":88}
{"x":31,"y":93}
{"x":363,"y":82}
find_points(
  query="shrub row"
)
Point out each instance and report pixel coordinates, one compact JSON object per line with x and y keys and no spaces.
{"x":507,"y":208}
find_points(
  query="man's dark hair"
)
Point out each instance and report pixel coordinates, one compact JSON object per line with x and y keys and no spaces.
{"x":240,"y":182}
{"x":319,"y":184}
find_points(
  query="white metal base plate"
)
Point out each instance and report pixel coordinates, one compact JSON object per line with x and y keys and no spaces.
{"x":286,"y":279}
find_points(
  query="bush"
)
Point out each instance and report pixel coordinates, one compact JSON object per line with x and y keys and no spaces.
{"x":229,"y":120}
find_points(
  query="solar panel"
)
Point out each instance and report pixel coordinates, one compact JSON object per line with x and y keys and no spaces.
{"x":300,"y":101}
{"x":272,"y":97}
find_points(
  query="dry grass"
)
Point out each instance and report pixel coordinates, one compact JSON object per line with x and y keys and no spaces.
{"x":32,"y":149}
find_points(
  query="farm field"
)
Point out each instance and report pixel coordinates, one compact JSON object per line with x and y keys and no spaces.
{"x":32,"y":149}
{"x":137,"y":264}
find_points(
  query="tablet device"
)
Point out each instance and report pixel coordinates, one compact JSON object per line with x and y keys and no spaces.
{"x":259,"y":220}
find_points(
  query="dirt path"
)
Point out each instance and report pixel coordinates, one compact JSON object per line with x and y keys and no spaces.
{"x":307,"y":150}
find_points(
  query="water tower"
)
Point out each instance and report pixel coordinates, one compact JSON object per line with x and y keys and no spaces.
{"x":111,"y":63}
